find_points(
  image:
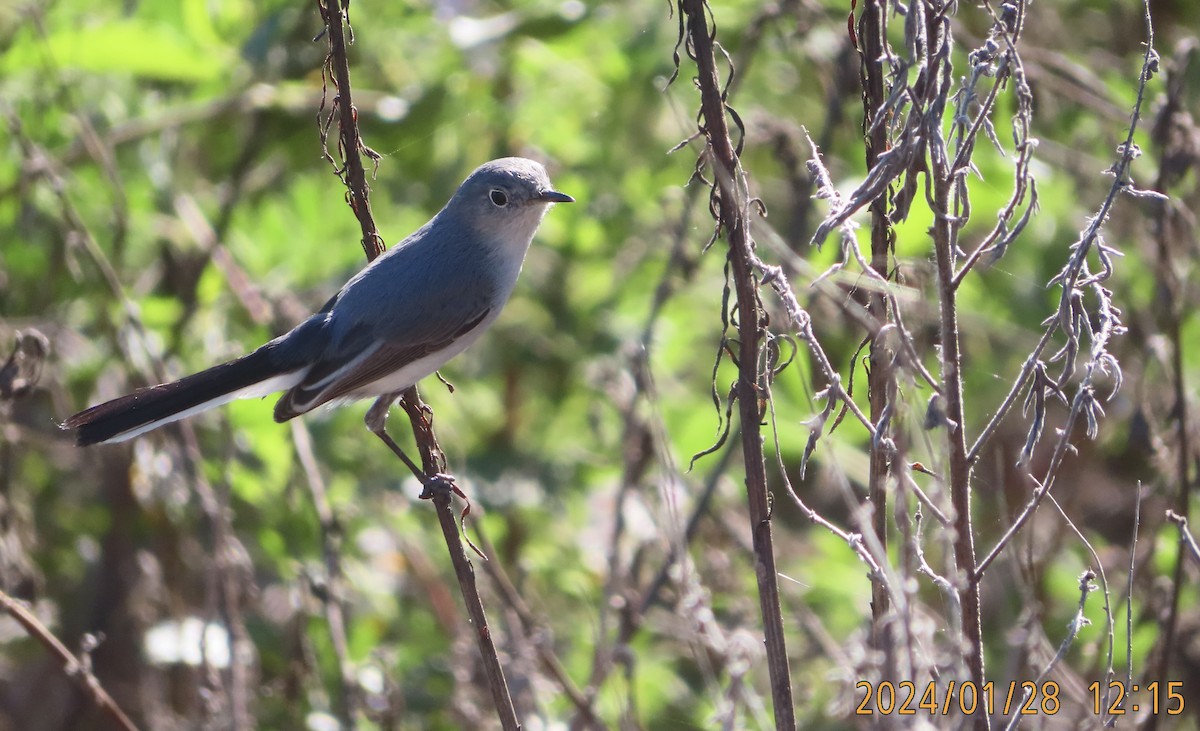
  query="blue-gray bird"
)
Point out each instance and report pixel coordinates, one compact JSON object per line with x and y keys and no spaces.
{"x":395,"y":322}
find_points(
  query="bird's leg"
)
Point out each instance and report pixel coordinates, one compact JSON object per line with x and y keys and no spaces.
{"x":435,"y":485}
{"x":376,"y":421}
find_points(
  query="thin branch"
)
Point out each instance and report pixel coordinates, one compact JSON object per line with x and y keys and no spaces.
{"x":1111,"y":721}
{"x":1071,"y":319}
{"x":1072,"y":277}
{"x":1041,"y":489}
{"x":333,"y":598}
{"x":420,"y":416}
{"x":1186,"y":540}
{"x":534,"y":635}
{"x":881,"y":381}
{"x":1109,"y":623}
{"x":1078,"y":622}
{"x":76,"y":669}
{"x":350,"y":144}
{"x":730,"y":204}
{"x":946,"y":200}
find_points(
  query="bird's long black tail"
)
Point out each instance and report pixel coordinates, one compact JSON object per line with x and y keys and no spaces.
{"x":256,"y":374}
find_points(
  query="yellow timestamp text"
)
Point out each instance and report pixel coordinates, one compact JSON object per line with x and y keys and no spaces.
{"x":906,"y":698}
{"x":1116,"y":698}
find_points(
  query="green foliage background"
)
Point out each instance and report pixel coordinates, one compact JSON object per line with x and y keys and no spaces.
{"x":142,"y":137}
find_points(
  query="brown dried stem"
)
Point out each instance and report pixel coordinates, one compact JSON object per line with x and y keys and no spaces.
{"x":732,"y":207}
{"x":333,"y":598}
{"x":350,"y":144}
{"x":1166,"y":230}
{"x":74,"y":667}
{"x":420,"y":416}
{"x":881,"y":384}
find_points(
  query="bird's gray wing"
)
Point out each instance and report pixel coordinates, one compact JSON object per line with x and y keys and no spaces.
{"x":409,"y":303}
{"x":348,"y":370}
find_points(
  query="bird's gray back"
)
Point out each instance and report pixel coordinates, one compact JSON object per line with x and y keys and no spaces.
{"x":441,"y":272}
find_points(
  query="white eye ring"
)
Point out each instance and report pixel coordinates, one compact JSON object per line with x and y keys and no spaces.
{"x":498,"y":197}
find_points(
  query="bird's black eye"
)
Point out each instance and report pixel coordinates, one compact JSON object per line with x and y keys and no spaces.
{"x":498,"y":197}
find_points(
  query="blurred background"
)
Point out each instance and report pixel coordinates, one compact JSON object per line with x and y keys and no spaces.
{"x":165,"y":204}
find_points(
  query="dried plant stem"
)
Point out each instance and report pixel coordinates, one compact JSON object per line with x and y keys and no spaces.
{"x":733,"y":207}
{"x":959,"y":466}
{"x":945,"y":242}
{"x":880,"y":380}
{"x":1165,"y":254}
{"x":1078,"y":622}
{"x":333,"y":599}
{"x":74,"y":668}
{"x":1187,"y":542}
{"x":532,"y":626}
{"x":350,"y":143}
{"x":432,"y":460}
{"x":420,"y":416}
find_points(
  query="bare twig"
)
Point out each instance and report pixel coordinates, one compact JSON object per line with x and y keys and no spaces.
{"x":881,"y":382}
{"x":1078,"y":622}
{"x":1174,"y":111}
{"x":934,"y":38}
{"x":1186,"y":539}
{"x":432,"y":462}
{"x":420,"y":416}
{"x":1039,"y":492}
{"x":531,"y":625}
{"x":731,"y":204}
{"x":332,"y":598}
{"x":1111,"y":721}
{"x":335,"y":14}
{"x":1110,"y":633}
{"x":74,"y":668}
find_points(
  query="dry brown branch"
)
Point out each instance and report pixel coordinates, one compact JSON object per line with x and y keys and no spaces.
{"x":75,"y":669}
{"x":1186,"y":540}
{"x":336,"y":16}
{"x":333,"y":586}
{"x":731,"y":204}
{"x":1078,"y":622}
{"x":532,"y":627}
{"x":1169,"y":133}
{"x":881,"y":383}
{"x":433,"y":460}
{"x":420,"y":416}
{"x":929,"y":41}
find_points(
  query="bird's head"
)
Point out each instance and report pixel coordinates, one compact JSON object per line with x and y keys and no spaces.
{"x":506,"y":198}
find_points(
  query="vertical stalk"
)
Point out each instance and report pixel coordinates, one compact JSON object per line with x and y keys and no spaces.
{"x":1166,"y":245}
{"x":352,"y":172}
{"x":879,"y":379}
{"x":947,"y":221}
{"x":420,"y":416}
{"x":960,"y":468}
{"x":945,"y":231}
{"x":733,"y":205}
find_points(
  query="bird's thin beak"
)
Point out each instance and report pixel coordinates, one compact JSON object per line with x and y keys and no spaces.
{"x":553,"y":196}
